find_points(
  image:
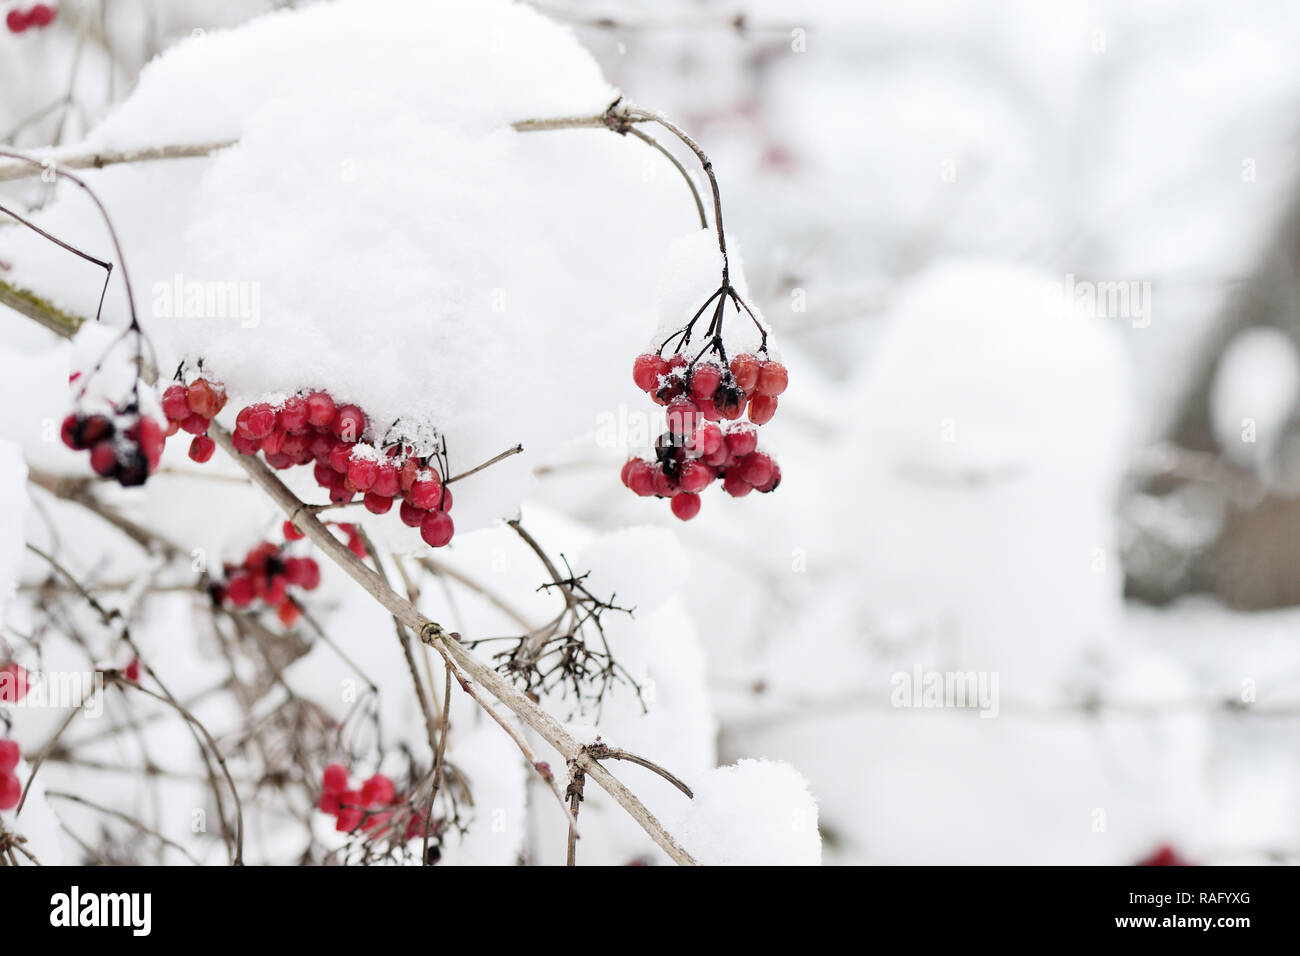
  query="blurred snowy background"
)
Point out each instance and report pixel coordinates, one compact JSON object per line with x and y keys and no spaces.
{"x":1034,"y":269}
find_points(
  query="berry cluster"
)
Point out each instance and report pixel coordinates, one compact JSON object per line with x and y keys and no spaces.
{"x":191,"y":408}
{"x":313,"y":429}
{"x":266,"y":575}
{"x":687,"y":462}
{"x":11,"y":788}
{"x":125,"y":447}
{"x":370,"y":808}
{"x":41,"y":15}
{"x":696,"y":450}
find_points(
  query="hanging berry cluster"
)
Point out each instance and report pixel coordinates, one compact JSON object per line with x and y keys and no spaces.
{"x":125,"y":446}
{"x":696,"y":450}
{"x":373,"y":808}
{"x":266,"y":575}
{"x":191,"y":408}
{"x":313,"y":429}
{"x":11,"y":788}
{"x":39,"y":15}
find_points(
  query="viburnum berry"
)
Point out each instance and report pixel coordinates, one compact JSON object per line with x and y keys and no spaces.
{"x":411,"y":516}
{"x":772,"y":378}
{"x":686,"y":506}
{"x":426,"y":492}
{"x":41,"y":15}
{"x":320,"y":410}
{"x":11,"y":791}
{"x":334,"y":779}
{"x":256,"y":421}
{"x":386,"y":481}
{"x":349,"y":423}
{"x":704,"y":381}
{"x":103,"y":458}
{"x":288,"y":613}
{"x":17,"y":21}
{"x":291,"y":532}
{"x":641,"y":478}
{"x":204,"y":398}
{"x":175,"y":403}
{"x":736,"y":486}
{"x":695,"y":476}
{"x":293,"y":416}
{"x":647,"y":370}
{"x":377,"y":504}
{"x":756,"y":468}
{"x":202,"y":448}
{"x":762,"y":409}
{"x":437,"y":529}
{"x":362,"y":472}
{"x":240,"y":590}
{"x":378,"y":791}
{"x":132,"y":670}
{"x":741,"y":442}
{"x":746,"y":369}
{"x":9,"y":754}
{"x":350,"y":811}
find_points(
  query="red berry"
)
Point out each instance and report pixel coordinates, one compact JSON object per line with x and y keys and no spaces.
{"x":411,"y":516}
{"x":14,"y":683}
{"x":293,"y":416}
{"x":9,"y":754}
{"x":175,"y":403}
{"x":288,"y":613}
{"x":772,"y":482}
{"x":686,"y":506}
{"x":663,"y":485}
{"x":95,"y":428}
{"x":627,"y":471}
{"x":103,"y":459}
{"x":349,"y":817}
{"x":201,"y":448}
{"x":705,"y":380}
{"x":378,"y":791}
{"x":273,"y":444}
{"x":203,"y":398}
{"x":195,"y":424}
{"x":718,"y":458}
{"x":437,"y":528}
{"x":377,"y":504}
{"x":340,"y":456}
{"x":745,"y":369}
{"x":446,"y":499}
{"x":240,"y":590}
{"x":735,"y":485}
{"x":646,"y":370}
{"x":148,"y":434}
{"x":756,"y":468}
{"x":362,"y":472}
{"x":335,"y":778}
{"x":641,"y":478}
{"x":17,"y":21}
{"x":349,"y":423}
{"x":340,"y":494}
{"x":256,"y":421}
{"x":245,"y":445}
{"x":772,"y":378}
{"x":426,"y":492}
{"x":329,"y":801}
{"x":694,"y":478}
{"x":706,"y":440}
{"x":291,"y":533}
{"x":762,"y":409}
{"x":683,"y":416}
{"x":386,"y":480}
{"x":320,"y":410}
{"x":11,"y":791}
{"x":357,"y":546}
{"x":741,"y":442}
{"x":132,"y":671}
{"x":302,"y":572}
{"x":70,"y":432}
{"x":41,"y":15}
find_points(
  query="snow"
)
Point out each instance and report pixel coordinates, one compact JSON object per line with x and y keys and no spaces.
{"x":1254,"y":392}
{"x":751,"y":813}
{"x":13,"y":511}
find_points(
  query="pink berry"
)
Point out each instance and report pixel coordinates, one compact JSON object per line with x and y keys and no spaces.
{"x":340,"y":457}
{"x":41,"y":15}
{"x":194,"y":424}
{"x":762,"y":409}
{"x":641,"y":478}
{"x":378,"y":791}
{"x":772,"y":378}
{"x":386,"y":480}
{"x":245,"y":445}
{"x":377,"y":504}
{"x":772,"y":482}
{"x":646,"y":370}
{"x":683,"y":416}
{"x":201,"y":448}
{"x":437,"y":529}
{"x":11,"y":791}
{"x":17,"y":21}
{"x":706,"y":440}
{"x":686,"y":506}
{"x":349,"y":423}
{"x":9,"y":754}
{"x":335,"y":778}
